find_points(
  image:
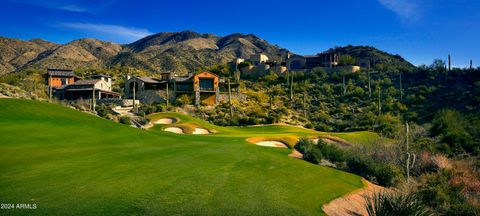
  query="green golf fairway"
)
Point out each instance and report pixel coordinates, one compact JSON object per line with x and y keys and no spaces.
{"x":73,"y":163}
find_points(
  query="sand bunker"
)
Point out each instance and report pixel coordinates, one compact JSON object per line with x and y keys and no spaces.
{"x":296,"y":154}
{"x":353,"y":203}
{"x":166,"y":121}
{"x":176,"y":130}
{"x":275,"y":144}
{"x":201,"y":131}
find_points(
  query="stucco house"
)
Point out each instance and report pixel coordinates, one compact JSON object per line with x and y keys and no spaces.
{"x":57,"y":77}
{"x":65,"y":85}
{"x":327,"y":60}
{"x":202,"y":87}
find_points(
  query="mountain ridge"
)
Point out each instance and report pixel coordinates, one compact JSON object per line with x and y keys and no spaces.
{"x":164,"y":51}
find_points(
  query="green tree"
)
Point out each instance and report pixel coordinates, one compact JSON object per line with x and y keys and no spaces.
{"x":347,"y":60}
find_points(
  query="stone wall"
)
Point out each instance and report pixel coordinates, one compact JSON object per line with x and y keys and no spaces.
{"x":154,"y":96}
{"x":117,"y":101}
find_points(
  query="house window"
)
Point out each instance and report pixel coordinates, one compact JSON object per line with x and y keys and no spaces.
{"x":184,"y":87}
{"x":64,"y":81}
{"x":206,"y":84}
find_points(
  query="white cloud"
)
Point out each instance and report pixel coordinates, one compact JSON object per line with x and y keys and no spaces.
{"x":403,"y":8}
{"x":77,"y":6}
{"x":110,"y":31}
{"x":72,"y":8}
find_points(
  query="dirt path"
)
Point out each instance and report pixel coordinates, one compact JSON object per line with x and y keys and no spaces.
{"x":124,"y":111}
{"x":353,"y":203}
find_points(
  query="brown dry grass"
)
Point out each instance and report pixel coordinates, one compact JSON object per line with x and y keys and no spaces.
{"x":465,"y":175}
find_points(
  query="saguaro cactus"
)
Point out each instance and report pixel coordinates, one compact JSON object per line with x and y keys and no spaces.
{"x":379,"y":100}
{"x":410,"y":156}
{"x":369,"y":84}
{"x":168,"y":97}
{"x":291,"y":88}
{"x":304,"y":102}
{"x":449,"y":63}
{"x":230,"y":106}
{"x":401,"y":87}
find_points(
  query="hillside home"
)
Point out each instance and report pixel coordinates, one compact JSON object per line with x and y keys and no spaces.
{"x":64,"y":85}
{"x":59,"y":77}
{"x":86,"y":89}
{"x":261,"y":65}
{"x":202,"y":87}
{"x":327,"y":60}
{"x":258,"y":59}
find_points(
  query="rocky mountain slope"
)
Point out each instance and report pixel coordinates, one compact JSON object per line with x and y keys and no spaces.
{"x":166,"y":51}
{"x":376,"y":57}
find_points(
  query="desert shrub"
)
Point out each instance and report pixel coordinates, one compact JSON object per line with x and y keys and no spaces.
{"x":103,"y":110}
{"x":393,"y":204}
{"x":456,"y":133}
{"x":331,"y":152}
{"x":425,"y":163}
{"x":146,"y":109}
{"x":81,"y":104}
{"x":384,"y":174}
{"x":437,"y":191}
{"x":387,"y":174}
{"x":388,"y":125}
{"x":467,"y":176}
{"x":363,"y":164}
{"x":322,"y":127}
{"x":310,"y":151}
{"x":302,"y":144}
{"x":426,"y":143}
{"x":359,"y":166}
{"x":142,"y":121}
{"x":125,"y":120}
{"x":313,"y":155}
{"x":184,"y":100}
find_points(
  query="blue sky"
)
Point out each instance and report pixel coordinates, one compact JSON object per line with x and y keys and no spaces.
{"x":419,"y":30}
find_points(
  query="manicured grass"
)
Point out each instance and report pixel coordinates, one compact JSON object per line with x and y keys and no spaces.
{"x":73,"y":163}
{"x":281,"y":132}
{"x":361,"y":137}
